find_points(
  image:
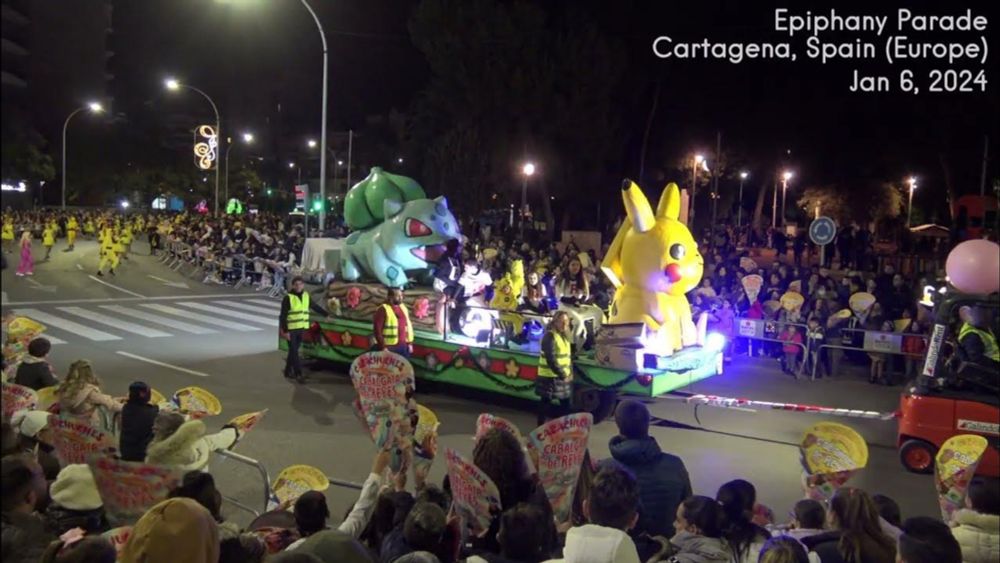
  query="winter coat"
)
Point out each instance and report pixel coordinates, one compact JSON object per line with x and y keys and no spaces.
{"x":25,"y":537}
{"x":663,"y":482}
{"x":598,"y":544}
{"x":35,"y":373}
{"x":691,"y":548}
{"x":86,"y":401}
{"x":189,"y":448}
{"x":137,"y":430}
{"x":61,"y":519}
{"x":979,"y":536}
{"x":827,"y":546}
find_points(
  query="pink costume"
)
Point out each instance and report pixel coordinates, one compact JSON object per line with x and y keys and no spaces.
{"x":27,"y":265}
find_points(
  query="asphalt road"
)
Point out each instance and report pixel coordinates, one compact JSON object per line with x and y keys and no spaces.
{"x":153,"y":324}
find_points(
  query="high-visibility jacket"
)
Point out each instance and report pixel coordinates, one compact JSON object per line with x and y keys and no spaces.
{"x":989,"y":340}
{"x":562,"y":355}
{"x":298,"y":311}
{"x":390,"y":330}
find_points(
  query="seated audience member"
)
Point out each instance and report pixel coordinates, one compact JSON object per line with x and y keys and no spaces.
{"x":25,"y":535}
{"x":32,"y":436}
{"x":738,"y":499}
{"x":138,"y":417}
{"x":522,"y":537}
{"x":927,"y":540}
{"x":699,"y":528}
{"x":75,"y":502}
{"x":34,"y":370}
{"x":311,"y":513}
{"x":856,"y":531}
{"x":783,"y":549}
{"x":424,"y":530}
{"x":80,"y":396}
{"x":185,"y":444}
{"x":977,"y":527}
{"x":663,"y":479}
{"x":177,"y":529}
{"x":888,"y":510}
{"x":243,"y":548}
{"x":808,"y":519}
{"x":333,"y":546}
{"x":612,"y":509}
{"x":91,"y":549}
{"x":391,"y":509}
{"x":200,"y":486}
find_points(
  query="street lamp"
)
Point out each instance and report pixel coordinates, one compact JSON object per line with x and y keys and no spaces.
{"x":912,"y":181}
{"x":739,"y":210}
{"x":528,"y":170}
{"x":699,"y":160}
{"x":173,"y":85}
{"x":399,"y":160}
{"x":93,"y":107}
{"x":785,"y":177}
{"x":311,"y":143}
{"x":247,"y":138}
{"x":292,"y":165}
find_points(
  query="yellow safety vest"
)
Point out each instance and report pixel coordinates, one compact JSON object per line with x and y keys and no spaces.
{"x":563,"y":360}
{"x":298,"y":311}
{"x":989,"y":341}
{"x":390,"y":330}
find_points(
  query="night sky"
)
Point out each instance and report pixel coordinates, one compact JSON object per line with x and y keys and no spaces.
{"x":252,"y":55}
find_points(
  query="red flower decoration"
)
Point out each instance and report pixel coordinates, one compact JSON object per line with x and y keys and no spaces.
{"x":421,"y":308}
{"x":353,"y":297}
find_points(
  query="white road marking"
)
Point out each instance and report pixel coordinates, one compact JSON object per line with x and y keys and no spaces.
{"x":119,"y":324}
{"x":53,"y":339}
{"x":162,"y":364}
{"x":273,"y":304}
{"x":236,"y":314}
{"x":193,"y":329}
{"x":248,"y":307}
{"x":127,"y":299}
{"x":113,"y":286}
{"x":66,"y":325}
{"x":178,"y":285}
{"x":201,"y":318}
{"x":79,"y":266}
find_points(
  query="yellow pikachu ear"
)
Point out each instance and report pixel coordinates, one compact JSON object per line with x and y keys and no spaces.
{"x":637,"y":207}
{"x":670,"y":202}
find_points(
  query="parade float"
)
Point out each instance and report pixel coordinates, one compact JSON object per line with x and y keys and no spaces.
{"x":649,"y":346}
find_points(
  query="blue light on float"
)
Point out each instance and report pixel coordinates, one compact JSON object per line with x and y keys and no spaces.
{"x":715,"y":342}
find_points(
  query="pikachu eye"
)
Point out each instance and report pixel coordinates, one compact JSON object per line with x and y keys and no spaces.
{"x":677,"y":251}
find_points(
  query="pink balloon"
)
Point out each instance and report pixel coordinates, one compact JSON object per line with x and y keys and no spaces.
{"x":974,"y":266}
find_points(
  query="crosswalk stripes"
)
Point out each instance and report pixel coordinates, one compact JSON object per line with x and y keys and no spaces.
{"x":199,"y":317}
{"x":65,"y":324}
{"x":220,"y":311}
{"x":159,"y":319}
{"x":53,"y":340}
{"x":276,"y":305}
{"x":116,"y":323}
{"x":248,"y":307}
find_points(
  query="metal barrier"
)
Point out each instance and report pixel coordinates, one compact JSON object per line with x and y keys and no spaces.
{"x":757,"y":329}
{"x":881,"y":342}
{"x":263,"y":474}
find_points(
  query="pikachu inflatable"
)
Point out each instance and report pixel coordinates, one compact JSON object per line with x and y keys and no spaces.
{"x":653,"y":261}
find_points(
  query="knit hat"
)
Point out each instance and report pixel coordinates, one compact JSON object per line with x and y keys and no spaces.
{"x":177,"y":529}
{"x":334,"y":546}
{"x":30,"y":423}
{"x":75,"y":489}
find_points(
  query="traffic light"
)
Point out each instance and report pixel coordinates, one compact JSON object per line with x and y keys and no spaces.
{"x":268,"y":192}
{"x":317,"y":205}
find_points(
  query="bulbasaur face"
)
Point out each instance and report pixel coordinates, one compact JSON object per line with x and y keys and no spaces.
{"x":418,"y":227}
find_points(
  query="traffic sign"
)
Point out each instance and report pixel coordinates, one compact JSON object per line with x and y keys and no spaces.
{"x":822,"y":230}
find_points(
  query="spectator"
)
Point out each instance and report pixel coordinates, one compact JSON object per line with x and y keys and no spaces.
{"x":738,"y":499}
{"x":522,"y":537}
{"x":200,"y":486}
{"x":244,"y":548}
{"x":34,"y":371}
{"x":333,"y":546}
{"x":138,"y":417}
{"x":791,"y":349}
{"x":25,"y":536}
{"x":184,"y":444}
{"x":177,"y":529}
{"x":534,"y":295}
{"x":888,"y":510}
{"x":663,"y":479}
{"x":80,"y":396}
{"x":311,"y":513}
{"x":928,"y":540}
{"x":856,"y":535}
{"x":783,"y":549}
{"x":423,"y":530}
{"x":391,"y":509}
{"x":294,"y":557}
{"x":32,"y":436}
{"x":808,"y":519}
{"x":698,"y":532}
{"x":76,"y":503}
{"x":612,"y":509}
{"x":573,"y":287}
{"x":91,"y":549}
{"x":977,"y":527}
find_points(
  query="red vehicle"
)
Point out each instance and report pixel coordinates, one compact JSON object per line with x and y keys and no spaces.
{"x":947,"y":399}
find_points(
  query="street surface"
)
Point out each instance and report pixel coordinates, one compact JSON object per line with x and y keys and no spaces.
{"x":153,"y":324}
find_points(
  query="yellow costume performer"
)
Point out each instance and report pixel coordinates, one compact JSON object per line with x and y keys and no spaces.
{"x":654,"y":261}
{"x":8,"y":234}
{"x":49,"y":239}
{"x":110,"y":249}
{"x":71,"y":228}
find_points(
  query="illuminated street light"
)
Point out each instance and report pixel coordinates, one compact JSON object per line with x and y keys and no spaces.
{"x":528,"y":170}
{"x":311,"y":143}
{"x":739,"y":209}
{"x":124,"y":204}
{"x":173,"y":84}
{"x":399,"y":160}
{"x":248,"y":138}
{"x":912,"y":181}
{"x":93,"y":107}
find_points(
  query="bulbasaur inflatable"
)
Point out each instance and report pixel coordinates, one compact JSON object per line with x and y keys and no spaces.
{"x":396,"y":229}
{"x":653,"y":261}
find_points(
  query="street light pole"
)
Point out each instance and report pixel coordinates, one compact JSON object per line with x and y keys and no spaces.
{"x":909,"y":207}
{"x":93,"y":107}
{"x":785,"y":176}
{"x":739,"y":210}
{"x":174,"y":85}
{"x":527,"y":170}
{"x":322,"y":135}
{"x":247,"y":138}
{"x":694,"y":187}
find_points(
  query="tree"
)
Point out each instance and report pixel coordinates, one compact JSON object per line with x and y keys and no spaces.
{"x":861,"y":201}
{"x":25,"y":161}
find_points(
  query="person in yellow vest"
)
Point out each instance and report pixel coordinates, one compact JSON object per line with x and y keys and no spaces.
{"x":109,"y":252}
{"x":48,"y":239}
{"x":8,"y":234}
{"x":294,"y":321}
{"x":977,"y":341}
{"x":71,"y":229}
{"x":554,"y":384}
{"x":392,"y":327}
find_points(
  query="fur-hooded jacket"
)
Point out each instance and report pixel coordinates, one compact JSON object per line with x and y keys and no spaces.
{"x":189,"y":448}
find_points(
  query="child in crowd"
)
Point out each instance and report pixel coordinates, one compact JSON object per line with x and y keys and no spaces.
{"x":791,"y":348}
{"x":35,"y":372}
{"x":977,"y":527}
{"x":137,"y":422}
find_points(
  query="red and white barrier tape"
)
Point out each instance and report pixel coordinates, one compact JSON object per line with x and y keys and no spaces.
{"x":733,"y":403}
